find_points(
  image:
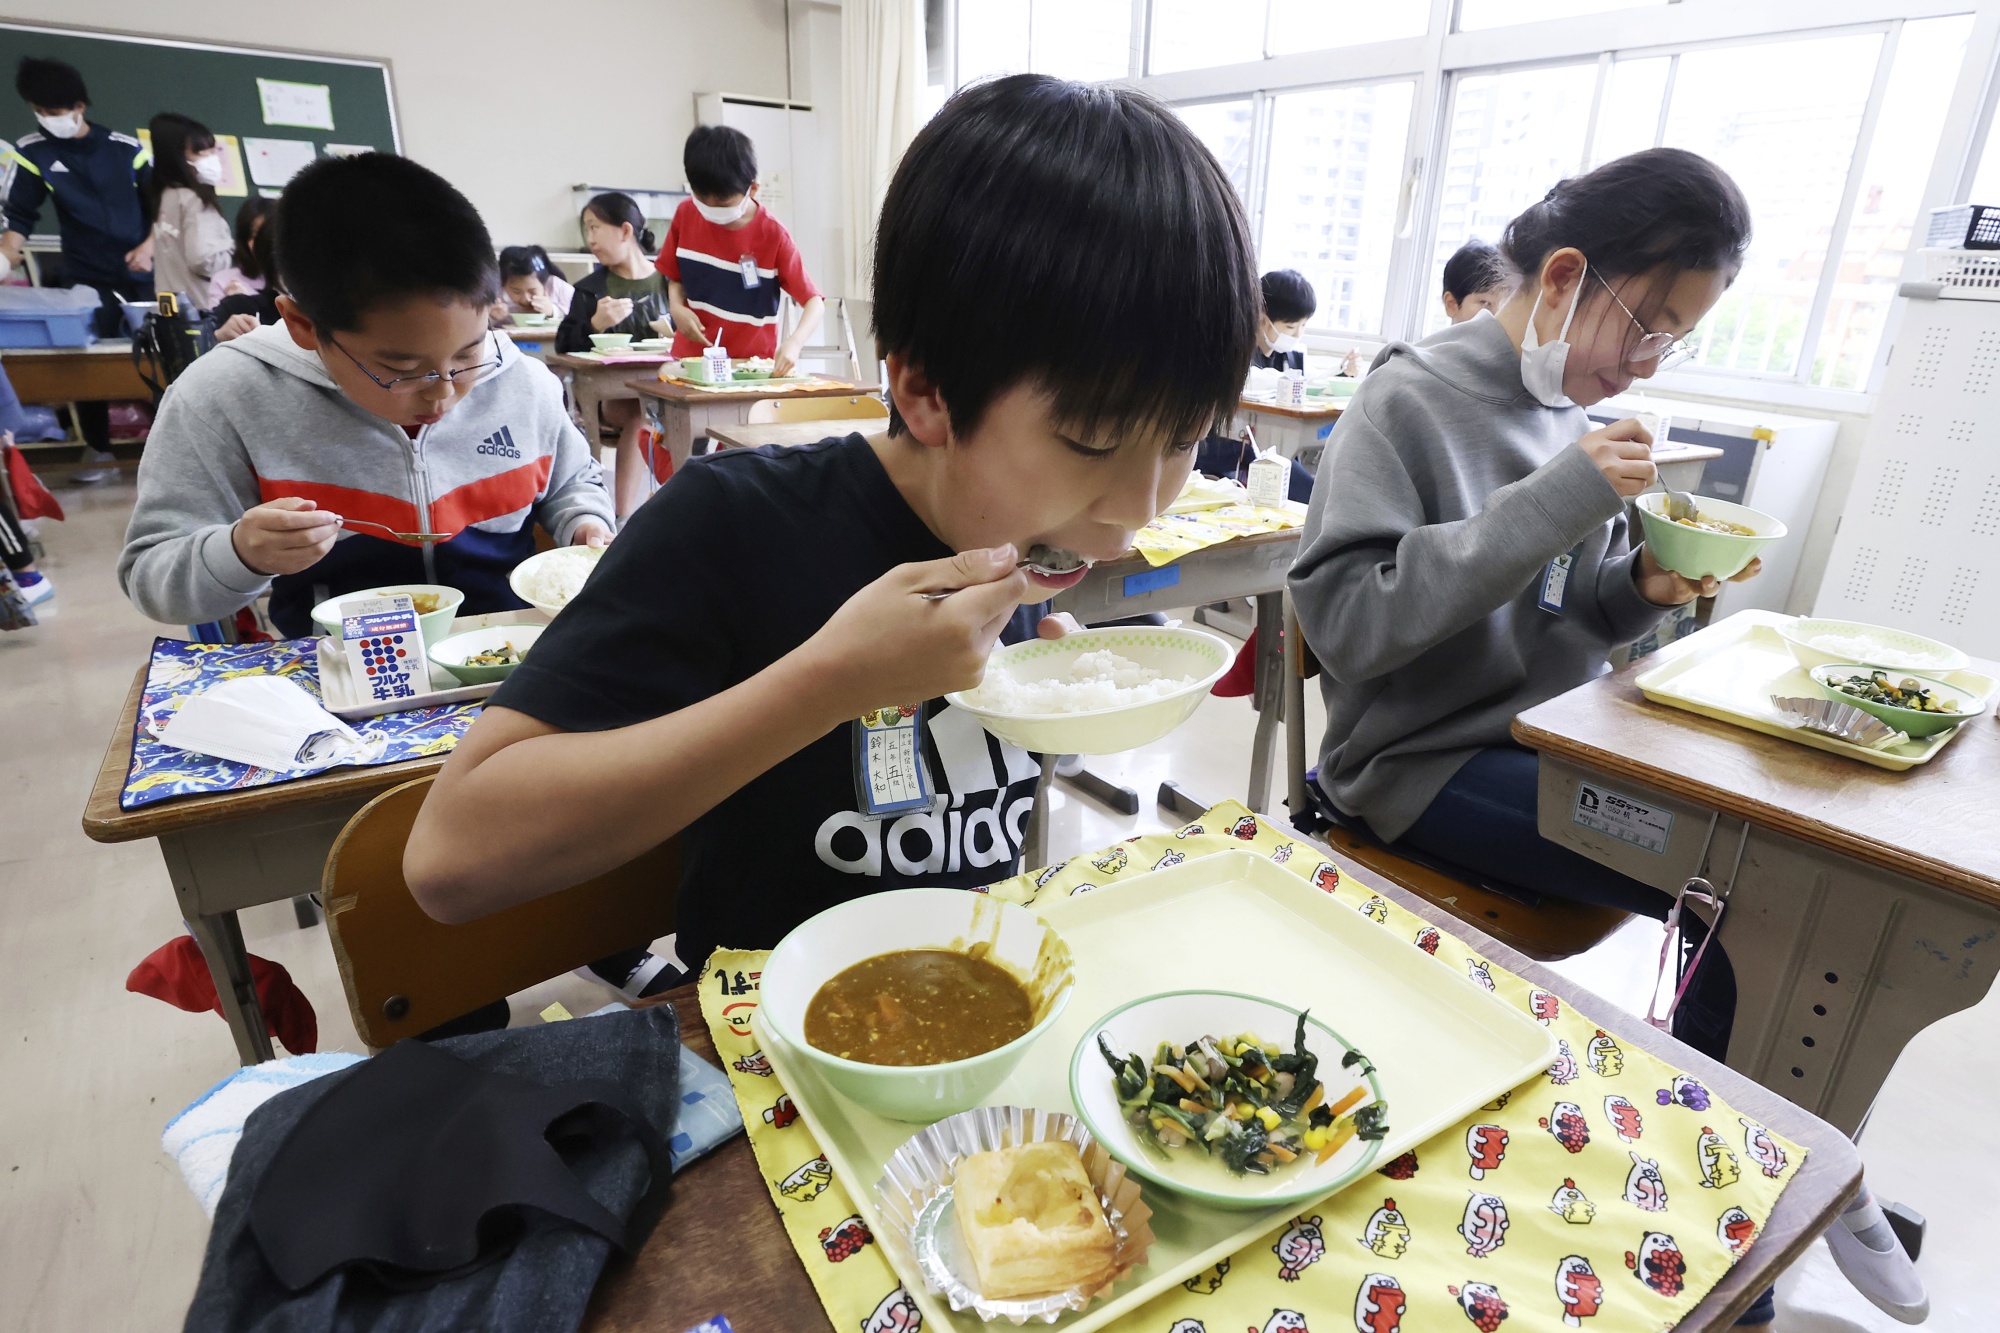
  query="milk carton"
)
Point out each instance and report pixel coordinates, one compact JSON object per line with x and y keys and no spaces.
{"x":384,"y":650}
{"x":1269,"y":481}
{"x":715,"y":365}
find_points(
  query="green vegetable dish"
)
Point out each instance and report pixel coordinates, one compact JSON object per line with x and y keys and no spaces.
{"x":1876,"y":688}
{"x":1243,"y":1101}
{"x":505,"y":655}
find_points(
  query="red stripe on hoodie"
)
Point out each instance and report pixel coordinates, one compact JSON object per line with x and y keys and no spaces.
{"x":490,"y":497}
{"x":369,"y":506}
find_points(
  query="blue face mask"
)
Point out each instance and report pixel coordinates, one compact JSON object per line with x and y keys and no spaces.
{"x":1542,"y":363}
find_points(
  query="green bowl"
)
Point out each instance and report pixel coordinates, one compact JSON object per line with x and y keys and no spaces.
{"x":434,"y":627}
{"x":1910,"y":721}
{"x":451,"y":653}
{"x":530,"y":320}
{"x":610,"y":342}
{"x":1694,"y":553}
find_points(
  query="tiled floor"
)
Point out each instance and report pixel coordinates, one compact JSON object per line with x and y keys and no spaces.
{"x":97,"y":1232}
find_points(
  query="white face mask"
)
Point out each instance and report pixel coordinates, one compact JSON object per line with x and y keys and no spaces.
{"x":69,"y":125}
{"x":1287,"y":343}
{"x":722,"y":217}
{"x":1542,"y":363}
{"x":209,"y":167}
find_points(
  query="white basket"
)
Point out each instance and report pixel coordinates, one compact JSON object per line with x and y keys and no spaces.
{"x":1965,"y":275}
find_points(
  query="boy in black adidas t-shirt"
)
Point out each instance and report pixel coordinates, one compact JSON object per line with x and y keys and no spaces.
{"x":1066,"y":296}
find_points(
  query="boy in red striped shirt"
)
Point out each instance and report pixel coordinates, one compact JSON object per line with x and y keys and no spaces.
{"x":726,"y":258}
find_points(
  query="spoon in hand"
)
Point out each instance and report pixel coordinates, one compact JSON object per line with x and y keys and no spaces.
{"x":1049,"y":561}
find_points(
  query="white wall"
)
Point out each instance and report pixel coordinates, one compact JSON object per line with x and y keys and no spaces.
{"x":513,"y":103}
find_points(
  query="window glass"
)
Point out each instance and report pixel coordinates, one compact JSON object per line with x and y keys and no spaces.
{"x":1200,"y":34}
{"x":1499,"y":13}
{"x":1885,"y":206}
{"x":1081,"y":39}
{"x":1336,"y":173}
{"x":1986,"y":180}
{"x":1628,"y":115}
{"x":1513,"y":135}
{"x":1317,"y":25}
{"x":992,"y":39}
{"x":1781,"y":118}
{"x":1225,"y":128}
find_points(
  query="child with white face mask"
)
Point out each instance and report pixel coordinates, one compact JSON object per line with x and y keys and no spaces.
{"x":191,"y":239}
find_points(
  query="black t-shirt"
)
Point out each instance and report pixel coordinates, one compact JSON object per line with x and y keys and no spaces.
{"x":738,"y":560}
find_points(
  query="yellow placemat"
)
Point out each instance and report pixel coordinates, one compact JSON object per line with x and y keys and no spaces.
{"x":1171,"y":535}
{"x":1609,"y":1194}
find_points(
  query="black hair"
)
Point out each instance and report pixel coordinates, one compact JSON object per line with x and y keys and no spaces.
{"x":174,"y":136}
{"x":527,"y":261}
{"x":1474,"y":267}
{"x":254,"y":243}
{"x":719,"y":161}
{"x":49,"y":83}
{"x":1288,"y":296}
{"x":614,"y":208}
{"x":356,"y":231}
{"x":1664,"y":207}
{"x":1075,"y":235}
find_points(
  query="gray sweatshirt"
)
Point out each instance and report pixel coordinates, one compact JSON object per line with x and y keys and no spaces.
{"x":1445,"y":494}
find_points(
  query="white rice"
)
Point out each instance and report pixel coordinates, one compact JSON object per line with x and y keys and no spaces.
{"x":1871,"y":651}
{"x":1095,"y":680}
{"x":558,"y":576}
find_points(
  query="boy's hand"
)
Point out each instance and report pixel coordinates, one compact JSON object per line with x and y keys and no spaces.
{"x":611,"y":310}
{"x":888,"y":645}
{"x":1623,"y":452}
{"x":590,"y":533}
{"x":284,"y":536}
{"x":235,"y":327}
{"x":689,"y":324}
{"x":787,"y":359}
{"x":139,"y":259}
{"x":1663,"y":587}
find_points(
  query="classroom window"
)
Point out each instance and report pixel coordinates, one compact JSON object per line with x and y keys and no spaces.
{"x":1200,"y":34}
{"x":1628,"y":114}
{"x":1316,"y":25}
{"x":1370,"y":198}
{"x":1476,"y":14}
{"x":1081,"y":39}
{"x":992,"y":39}
{"x":1225,"y":128}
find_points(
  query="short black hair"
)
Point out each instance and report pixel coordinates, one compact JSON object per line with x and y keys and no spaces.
{"x":174,"y":137}
{"x":527,"y":261}
{"x":1474,"y":267}
{"x":1075,"y":235}
{"x":719,"y":161}
{"x":1288,"y":296}
{"x":1664,"y":207}
{"x":255,"y":244}
{"x":356,"y":231}
{"x":50,"y":83}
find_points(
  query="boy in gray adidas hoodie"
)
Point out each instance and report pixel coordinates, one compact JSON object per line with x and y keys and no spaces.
{"x":380,"y":404}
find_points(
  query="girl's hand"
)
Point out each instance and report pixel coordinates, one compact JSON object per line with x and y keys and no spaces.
{"x":611,"y":311}
{"x":888,"y":645}
{"x":1663,"y":587}
{"x":787,"y":359}
{"x":1623,"y":452}
{"x":662,"y":328}
{"x":541,"y":304}
{"x":689,"y":324}
{"x":235,"y":327}
{"x":499,"y":314}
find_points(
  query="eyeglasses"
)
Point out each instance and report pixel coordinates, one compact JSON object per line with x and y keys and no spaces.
{"x":411,"y":383}
{"x":1668,"y":349}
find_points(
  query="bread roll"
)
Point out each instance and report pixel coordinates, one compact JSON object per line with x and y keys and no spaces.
{"x":1032,"y":1222}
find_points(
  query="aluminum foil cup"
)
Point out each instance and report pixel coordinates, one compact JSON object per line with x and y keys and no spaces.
{"x":914,"y":1196}
{"x":1842,"y":721}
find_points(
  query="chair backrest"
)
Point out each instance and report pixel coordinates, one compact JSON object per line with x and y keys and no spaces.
{"x":862,"y":407}
{"x":405,"y":973}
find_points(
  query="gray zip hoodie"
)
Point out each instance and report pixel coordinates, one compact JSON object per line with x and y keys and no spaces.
{"x":1446,"y":493}
{"x":259,"y":418}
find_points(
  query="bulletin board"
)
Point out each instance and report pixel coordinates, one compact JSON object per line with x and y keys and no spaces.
{"x":278,"y":110}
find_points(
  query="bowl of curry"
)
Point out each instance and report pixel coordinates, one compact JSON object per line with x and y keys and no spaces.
{"x":916,"y":1004}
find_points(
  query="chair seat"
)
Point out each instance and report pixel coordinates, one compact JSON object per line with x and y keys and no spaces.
{"x":1552,"y":931}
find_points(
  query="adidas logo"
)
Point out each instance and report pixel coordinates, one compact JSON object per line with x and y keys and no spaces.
{"x":500,"y":444}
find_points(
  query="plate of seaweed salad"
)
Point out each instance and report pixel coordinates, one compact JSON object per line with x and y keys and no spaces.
{"x":1234,"y":1100}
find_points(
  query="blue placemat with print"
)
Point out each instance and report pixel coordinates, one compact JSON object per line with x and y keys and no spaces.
{"x":179,"y":670}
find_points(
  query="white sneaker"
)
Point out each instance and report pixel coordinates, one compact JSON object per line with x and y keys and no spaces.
{"x":1868,"y":1254}
{"x":41,"y":597}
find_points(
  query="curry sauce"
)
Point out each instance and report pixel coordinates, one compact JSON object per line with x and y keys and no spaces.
{"x":918,"y":1007}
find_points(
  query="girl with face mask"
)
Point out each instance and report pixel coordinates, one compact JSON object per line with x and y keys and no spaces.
{"x":191,"y":239}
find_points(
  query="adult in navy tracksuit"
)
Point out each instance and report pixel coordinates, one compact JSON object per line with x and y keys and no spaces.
{"x":97,"y":178}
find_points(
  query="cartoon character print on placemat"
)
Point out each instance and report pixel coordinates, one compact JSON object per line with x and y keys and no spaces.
{"x":1379,"y":1304}
{"x":1387,"y":1235}
{"x":1302,"y":1246}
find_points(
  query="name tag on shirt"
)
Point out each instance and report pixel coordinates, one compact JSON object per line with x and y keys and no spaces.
{"x":1555,"y":580}
{"x":748,"y":264}
{"x":890,"y":776}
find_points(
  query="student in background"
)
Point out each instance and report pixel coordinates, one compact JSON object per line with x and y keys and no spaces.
{"x":1288,"y":302}
{"x":1475,"y":279}
{"x":245,"y":307}
{"x":191,"y":240}
{"x":245,"y":274}
{"x":530,"y":283}
{"x":726,"y":258}
{"x":624,"y":294}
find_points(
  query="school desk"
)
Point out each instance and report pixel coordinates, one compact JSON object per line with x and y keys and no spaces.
{"x":102,"y":371}
{"x":686,"y":413}
{"x":1863,"y":904}
{"x":537,"y":342}
{"x":239,"y":849}
{"x":592,"y":383}
{"x":792,"y":433}
{"x":720,"y":1248}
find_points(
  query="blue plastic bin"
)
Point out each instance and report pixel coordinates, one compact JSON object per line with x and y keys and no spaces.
{"x":46,"y":328}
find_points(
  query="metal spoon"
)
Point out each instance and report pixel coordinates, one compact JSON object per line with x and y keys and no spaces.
{"x":1680,"y":505}
{"x":1050,"y":561}
{"x":400,"y":536}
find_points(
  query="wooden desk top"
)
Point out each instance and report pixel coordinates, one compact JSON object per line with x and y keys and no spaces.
{"x":721,"y":1249}
{"x":648,"y":363}
{"x":1328,"y":413}
{"x":102,"y":347}
{"x":521,"y":333}
{"x":671,"y":392}
{"x":1938,"y":823}
{"x":791,"y":433}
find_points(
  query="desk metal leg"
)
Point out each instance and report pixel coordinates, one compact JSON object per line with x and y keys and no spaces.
{"x":1269,"y":696}
{"x":1035,"y":846}
{"x":1297,"y":799}
{"x":221,"y":941}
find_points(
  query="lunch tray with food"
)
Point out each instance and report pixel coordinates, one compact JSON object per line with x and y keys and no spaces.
{"x":346,"y":701}
{"x":1147,"y":964}
{"x":1733,"y":670}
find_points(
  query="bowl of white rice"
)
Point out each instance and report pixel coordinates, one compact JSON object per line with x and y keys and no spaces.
{"x":1097,"y":691}
{"x":1822,"y":642}
{"x":549,"y":580}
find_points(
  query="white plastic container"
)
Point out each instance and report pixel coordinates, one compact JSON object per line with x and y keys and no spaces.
{"x":1269,"y":480}
{"x":715,"y":365}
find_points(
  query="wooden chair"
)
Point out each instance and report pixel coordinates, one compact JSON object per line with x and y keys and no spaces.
{"x":862,"y":407}
{"x":405,"y":973}
{"x":1554,"y":930}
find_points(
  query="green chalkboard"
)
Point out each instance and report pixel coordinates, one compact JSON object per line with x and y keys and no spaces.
{"x":132,"y":79}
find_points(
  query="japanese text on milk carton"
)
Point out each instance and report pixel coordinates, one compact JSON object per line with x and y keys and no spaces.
{"x":384,"y":651}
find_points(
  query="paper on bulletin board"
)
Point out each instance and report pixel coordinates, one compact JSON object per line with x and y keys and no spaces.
{"x":275,"y":161}
{"x":306,"y":105}
{"x":233,"y":183}
{"x":347,"y":149}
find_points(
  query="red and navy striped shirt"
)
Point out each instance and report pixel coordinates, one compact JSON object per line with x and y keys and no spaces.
{"x":708,"y":262}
